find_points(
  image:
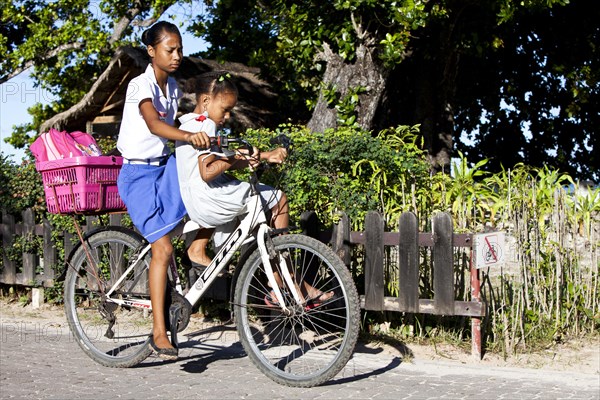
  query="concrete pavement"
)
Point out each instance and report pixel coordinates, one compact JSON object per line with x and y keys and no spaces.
{"x":42,"y":361}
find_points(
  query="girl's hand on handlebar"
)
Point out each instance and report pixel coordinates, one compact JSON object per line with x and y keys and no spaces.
{"x":252,"y":159}
{"x":199,"y":140}
{"x":275,"y":156}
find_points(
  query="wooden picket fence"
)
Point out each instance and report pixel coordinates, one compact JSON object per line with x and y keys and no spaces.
{"x":408,"y":240}
{"x":37,"y":271}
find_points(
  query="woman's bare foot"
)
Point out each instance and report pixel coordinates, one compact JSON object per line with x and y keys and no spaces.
{"x":161,"y":345}
{"x":162,"y":341}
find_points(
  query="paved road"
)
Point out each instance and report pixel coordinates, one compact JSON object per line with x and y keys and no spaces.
{"x":42,"y":361}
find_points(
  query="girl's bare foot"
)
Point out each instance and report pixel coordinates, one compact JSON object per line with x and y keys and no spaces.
{"x":320,"y":297}
{"x":200,"y":260}
{"x":315,"y":295}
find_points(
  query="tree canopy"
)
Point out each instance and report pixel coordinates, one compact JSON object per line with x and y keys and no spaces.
{"x":66,"y":44}
{"x":515,"y":82}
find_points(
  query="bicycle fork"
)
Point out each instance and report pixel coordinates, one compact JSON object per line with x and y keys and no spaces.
{"x":268,"y":254}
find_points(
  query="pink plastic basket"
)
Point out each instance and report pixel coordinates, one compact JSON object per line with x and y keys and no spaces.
{"x":82,"y":185}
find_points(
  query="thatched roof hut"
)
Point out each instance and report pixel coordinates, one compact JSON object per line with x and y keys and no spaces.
{"x":101,"y":108}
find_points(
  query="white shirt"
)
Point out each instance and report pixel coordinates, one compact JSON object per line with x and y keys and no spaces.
{"x":188,"y":170}
{"x":220,"y":201}
{"x":213,"y":203}
{"x":135,"y":139}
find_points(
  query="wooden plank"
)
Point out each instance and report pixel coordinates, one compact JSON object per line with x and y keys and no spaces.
{"x":309,"y":222}
{"x":358,"y":238}
{"x":69,"y":243}
{"x":340,"y":239}
{"x":9,"y":275}
{"x":29,"y":260}
{"x":91,"y":222}
{"x":107,"y":119}
{"x":462,"y":308}
{"x":408,"y":262}
{"x":443,"y":266}
{"x":425,"y":239}
{"x":50,"y":255}
{"x":374,"y":276}
{"x":426,"y":306}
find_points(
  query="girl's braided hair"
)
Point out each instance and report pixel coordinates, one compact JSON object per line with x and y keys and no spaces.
{"x":211,"y":83}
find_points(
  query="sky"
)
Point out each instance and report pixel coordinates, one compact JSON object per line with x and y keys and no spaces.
{"x":20,"y":93}
{"x":16,"y":96}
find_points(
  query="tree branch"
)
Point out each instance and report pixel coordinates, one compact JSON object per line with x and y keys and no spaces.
{"x":49,"y":54}
{"x":124,"y":22}
{"x":128,"y":19}
{"x":118,"y":32}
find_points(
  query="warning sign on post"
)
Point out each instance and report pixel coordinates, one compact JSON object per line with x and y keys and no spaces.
{"x":489,"y":249}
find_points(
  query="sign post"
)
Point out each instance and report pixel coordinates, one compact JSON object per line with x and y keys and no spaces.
{"x":489,"y":250}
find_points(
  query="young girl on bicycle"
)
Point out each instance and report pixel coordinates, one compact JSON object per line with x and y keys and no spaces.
{"x":213,"y":198}
{"x":148,"y":181}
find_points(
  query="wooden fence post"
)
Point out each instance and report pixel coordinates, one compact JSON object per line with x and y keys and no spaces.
{"x":443,"y":266}
{"x":340,"y":239}
{"x":309,"y":223}
{"x":90,"y":223}
{"x":115,"y":219}
{"x":68,"y":243}
{"x":29,"y":259}
{"x":9,"y":275}
{"x":50,"y":256}
{"x":408,"y":262}
{"x":374,"y":276}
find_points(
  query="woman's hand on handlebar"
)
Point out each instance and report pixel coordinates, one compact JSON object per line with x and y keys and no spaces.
{"x":199,"y":140}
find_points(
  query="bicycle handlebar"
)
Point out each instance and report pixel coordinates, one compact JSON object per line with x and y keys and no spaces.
{"x":224,"y":141}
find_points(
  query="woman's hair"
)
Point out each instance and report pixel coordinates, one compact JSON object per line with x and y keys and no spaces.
{"x":212,"y":83}
{"x":156,"y":33}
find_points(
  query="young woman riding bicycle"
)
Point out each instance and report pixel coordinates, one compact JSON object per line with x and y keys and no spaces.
{"x":148,"y":180}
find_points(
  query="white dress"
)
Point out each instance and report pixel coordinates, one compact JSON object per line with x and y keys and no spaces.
{"x":220,"y":201}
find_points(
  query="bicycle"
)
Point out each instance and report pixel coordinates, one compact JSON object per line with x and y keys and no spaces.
{"x":292,"y":340}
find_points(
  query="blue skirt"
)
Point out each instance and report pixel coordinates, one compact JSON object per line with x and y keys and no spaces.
{"x":151,"y":194}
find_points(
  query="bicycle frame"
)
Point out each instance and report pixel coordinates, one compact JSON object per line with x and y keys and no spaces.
{"x":254,"y":217}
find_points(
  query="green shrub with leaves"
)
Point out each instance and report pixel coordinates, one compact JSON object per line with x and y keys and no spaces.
{"x":20,"y":187}
{"x":347,"y":170}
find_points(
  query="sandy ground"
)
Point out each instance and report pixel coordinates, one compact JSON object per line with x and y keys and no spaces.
{"x":581,"y":356}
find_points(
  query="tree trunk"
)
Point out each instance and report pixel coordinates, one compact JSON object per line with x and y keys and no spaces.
{"x":365,"y":72}
{"x":435,"y":114}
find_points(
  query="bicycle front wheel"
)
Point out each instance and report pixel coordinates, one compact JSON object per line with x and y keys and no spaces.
{"x":311,"y":342}
{"x":111,"y":334}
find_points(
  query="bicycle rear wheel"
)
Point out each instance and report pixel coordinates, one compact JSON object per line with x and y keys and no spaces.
{"x":314,"y":341}
{"x":112,"y":335}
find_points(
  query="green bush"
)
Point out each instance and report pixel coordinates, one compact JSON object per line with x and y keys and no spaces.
{"x":20,"y":187}
{"x":347,"y":170}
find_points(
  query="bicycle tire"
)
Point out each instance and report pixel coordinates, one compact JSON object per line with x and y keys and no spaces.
{"x":125,"y":343}
{"x":312,"y":344}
